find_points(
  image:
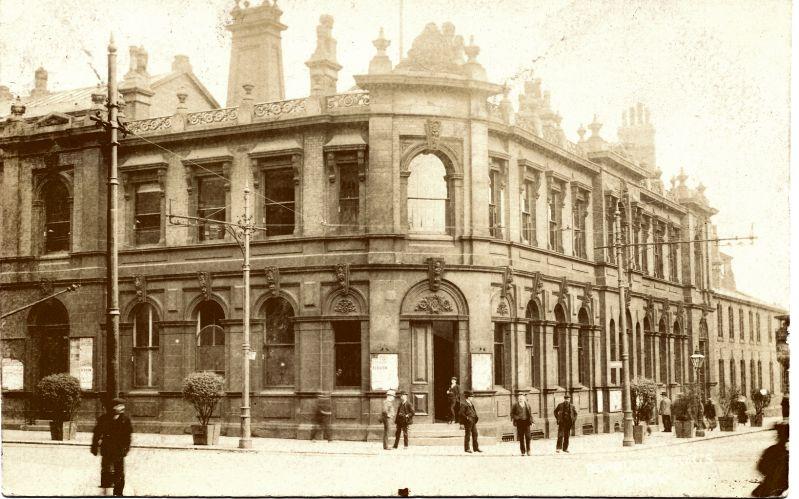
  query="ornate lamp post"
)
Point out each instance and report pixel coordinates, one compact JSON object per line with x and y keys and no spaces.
{"x":697,"y":359}
{"x":625,"y":357}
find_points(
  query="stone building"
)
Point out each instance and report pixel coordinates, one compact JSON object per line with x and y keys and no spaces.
{"x":416,"y":228}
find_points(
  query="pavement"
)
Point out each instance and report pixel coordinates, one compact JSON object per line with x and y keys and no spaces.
{"x":587,"y":444}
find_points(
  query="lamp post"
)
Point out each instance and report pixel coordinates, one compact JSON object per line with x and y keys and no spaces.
{"x":625,"y":347}
{"x":697,"y":359}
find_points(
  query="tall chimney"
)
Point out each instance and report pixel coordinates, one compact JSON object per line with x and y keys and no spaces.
{"x":40,"y":83}
{"x":322,"y":64}
{"x":256,"y":53}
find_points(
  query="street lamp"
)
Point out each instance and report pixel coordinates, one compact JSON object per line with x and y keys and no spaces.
{"x":628,"y":440}
{"x":697,"y":359}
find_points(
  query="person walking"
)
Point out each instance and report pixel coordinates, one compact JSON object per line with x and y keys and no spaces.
{"x":773,"y":465}
{"x":386,"y":416}
{"x":665,"y":411}
{"x":111,"y":439}
{"x":454,"y":395}
{"x":710,"y":414}
{"x":324,"y":413}
{"x":565,"y":415}
{"x":403,"y":420}
{"x":469,"y":419}
{"x":522,"y":418}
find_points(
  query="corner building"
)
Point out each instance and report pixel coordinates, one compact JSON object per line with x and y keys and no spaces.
{"x":417,"y":227}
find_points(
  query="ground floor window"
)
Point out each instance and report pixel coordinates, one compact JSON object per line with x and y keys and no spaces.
{"x":210,"y":338}
{"x":347,"y":337}
{"x":145,"y":347}
{"x":500,"y":329}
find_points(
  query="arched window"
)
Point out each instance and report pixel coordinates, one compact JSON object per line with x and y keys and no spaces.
{"x":722,"y":386}
{"x":678,"y":352}
{"x":650,"y":350}
{"x":757,"y":321}
{"x":583,"y":364}
{"x":751,"y":327}
{"x":146,"y":352}
{"x":760,"y":374}
{"x":278,"y":342}
{"x":560,"y":343}
{"x":664,"y":351}
{"x":731,"y":321}
{"x":532,"y":340}
{"x":753,"y":374}
{"x":698,"y":261}
{"x":48,"y":328}
{"x":704,"y":348}
{"x":428,"y":195}
{"x":741,"y":332}
{"x":743,"y":377}
{"x":733,"y":379}
{"x":210,"y":338}
{"x":639,"y":347}
{"x":612,"y":334}
{"x":57,"y":216}
{"x":720,"y":320}
{"x":630,"y":344}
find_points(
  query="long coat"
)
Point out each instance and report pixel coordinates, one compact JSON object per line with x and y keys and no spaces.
{"x":468,"y":413}
{"x":521,"y":414}
{"x":565,"y":413}
{"x":112,"y":435}
{"x":404,"y":414}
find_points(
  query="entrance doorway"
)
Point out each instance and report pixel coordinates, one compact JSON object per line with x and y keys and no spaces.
{"x":445,"y":355}
{"x":48,"y":325}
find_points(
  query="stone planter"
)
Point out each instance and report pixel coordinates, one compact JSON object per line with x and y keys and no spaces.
{"x":684,"y":429}
{"x":206,"y":435}
{"x":728,"y":423}
{"x":639,"y":433}
{"x":65,"y":430}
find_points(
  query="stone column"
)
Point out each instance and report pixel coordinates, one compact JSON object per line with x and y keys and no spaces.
{"x":573,"y":360}
{"x":549,"y":356}
{"x":656,"y":357}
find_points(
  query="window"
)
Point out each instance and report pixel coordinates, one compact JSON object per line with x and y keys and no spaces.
{"x":613,"y":354}
{"x":145,"y":347}
{"x":349,"y":196}
{"x":639,"y":347}
{"x":147,"y":223}
{"x":720,"y":321}
{"x":731,"y":320}
{"x":583,"y":366}
{"x":743,"y":377}
{"x":428,"y":195}
{"x":650,"y":348}
{"x":496,"y":202}
{"x":752,"y":374}
{"x":760,"y":374}
{"x":347,"y":336}
{"x":722,"y":387}
{"x":56,"y":216}
{"x":658,"y":249}
{"x":210,"y":338}
{"x":664,"y":353}
{"x":278,"y":343}
{"x":698,"y":261}
{"x":499,"y":353}
{"x":611,"y":221}
{"x":732,"y":372}
{"x":559,"y":342}
{"x":579,"y":213}
{"x":741,"y":332}
{"x":555,"y":216}
{"x":768,"y":328}
{"x":678,"y":354}
{"x":674,"y":235}
{"x":645,"y":248}
{"x":527,"y":204}
{"x":751,"y":327}
{"x":279,"y":204}
{"x":211,"y":205}
{"x":533,"y":343}
{"x":757,"y":321}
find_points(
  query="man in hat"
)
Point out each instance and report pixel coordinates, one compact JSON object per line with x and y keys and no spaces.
{"x":522,"y":418}
{"x":403,"y":420}
{"x":386,"y":416}
{"x":469,"y":419}
{"x":566,"y":415}
{"x":665,"y":411}
{"x":454,"y":395}
{"x":112,"y":439}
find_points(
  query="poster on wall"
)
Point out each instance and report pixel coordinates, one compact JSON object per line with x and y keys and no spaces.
{"x":13,"y":374}
{"x":81,"y":361}
{"x":384,"y":372}
{"x":600,"y":401}
{"x":615,"y":400}
{"x":481,"y":372}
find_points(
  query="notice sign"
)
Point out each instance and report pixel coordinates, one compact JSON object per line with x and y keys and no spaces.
{"x":600,"y":401}
{"x":13,"y":374}
{"x":615,"y":400}
{"x":482,"y":379}
{"x":384,"y":372}
{"x":81,"y":366}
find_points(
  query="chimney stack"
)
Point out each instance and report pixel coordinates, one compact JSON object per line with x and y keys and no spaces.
{"x":135,"y":87}
{"x":638,"y":135}
{"x":181,"y":63}
{"x":40,"y":83}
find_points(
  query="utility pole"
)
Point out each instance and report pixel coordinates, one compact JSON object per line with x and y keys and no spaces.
{"x":625,"y":353}
{"x":240,"y":231}
{"x":112,"y":253}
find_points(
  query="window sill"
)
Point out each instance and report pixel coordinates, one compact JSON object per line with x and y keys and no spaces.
{"x":346,"y":392}
{"x":430,"y":237}
{"x":277,"y":390}
{"x":55,"y":255}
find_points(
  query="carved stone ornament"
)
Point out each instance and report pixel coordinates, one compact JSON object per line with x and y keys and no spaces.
{"x":345,"y":306}
{"x":343,"y":276}
{"x":204,"y":279}
{"x":272,"y":280}
{"x":46,"y":287}
{"x":434,"y":50}
{"x":502,"y":308}
{"x":680,"y":309}
{"x":650,"y":308}
{"x":140,"y":283}
{"x":588,"y":294}
{"x":538,"y":284}
{"x":432,"y":129}
{"x":507,"y":281}
{"x":434,"y":304}
{"x":627,"y":297}
{"x":435,"y":272}
{"x":563,"y":291}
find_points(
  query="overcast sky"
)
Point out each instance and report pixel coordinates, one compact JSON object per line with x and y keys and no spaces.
{"x":715,"y":76}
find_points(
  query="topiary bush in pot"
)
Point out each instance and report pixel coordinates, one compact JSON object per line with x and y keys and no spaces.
{"x":203,"y":390}
{"x":59,"y":397}
{"x":643,"y":395}
{"x":728,"y":401}
{"x":761,"y":399}
{"x":681,"y":413}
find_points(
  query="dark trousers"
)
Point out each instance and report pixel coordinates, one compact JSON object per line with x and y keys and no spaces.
{"x":564,"y":431}
{"x":112,"y":473}
{"x":471,"y":429}
{"x":453,"y":409}
{"x":404,"y":430}
{"x":523,"y":435}
{"x":323,"y":424}
{"x":666,"y":422}
{"x":386,"y":433}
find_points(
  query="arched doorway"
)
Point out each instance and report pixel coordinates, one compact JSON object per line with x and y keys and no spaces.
{"x":560,"y":343}
{"x":48,"y":328}
{"x":583,"y":348}
{"x":278,"y":349}
{"x":532,"y":340}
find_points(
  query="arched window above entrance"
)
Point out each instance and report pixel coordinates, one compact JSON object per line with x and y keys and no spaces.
{"x":428,"y":195}
{"x":146,"y":352}
{"x":210,"y":338}
{"x":57,"y":216}
{"x":278,"y":342}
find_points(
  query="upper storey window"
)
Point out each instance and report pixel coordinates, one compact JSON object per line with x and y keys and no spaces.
{"x":674,"y":235}
{"x":658,"y":250}
{"x":345,"y":158}
{"x":579,"y":215}
{"x":555,"y":202}
{"x":279,"y":205}
{"x":428,"y":195}
{"x":211,"y":205}
{"x":496,"y":202}
{"x":56,"y":216}
{"x":147,"y":221}
{"x":698,"y":260}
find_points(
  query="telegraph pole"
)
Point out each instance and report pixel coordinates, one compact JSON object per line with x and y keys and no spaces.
{"x":625,"y":353}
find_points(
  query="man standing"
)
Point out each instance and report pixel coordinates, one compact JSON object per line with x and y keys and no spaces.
{"x":469,"y":419}
{"x":324,"y":412}
{"x":403,"y":420}
{"x":665,"y":411}
{"x":566,"y":415}
{"x":454,"y":395}
{"x":386,"y":416}
{"x":112,"y":439}
{"x":522,"y":418}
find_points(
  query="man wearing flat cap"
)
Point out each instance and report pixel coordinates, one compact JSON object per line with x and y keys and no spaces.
{"x":112,"y":439}
{"x":403,"y":420}
{"x":386,"y":416}
{"x":469,"y":419}
{"x":566,"y":415}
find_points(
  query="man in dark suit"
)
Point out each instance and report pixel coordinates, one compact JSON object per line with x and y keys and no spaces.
{"x":469,"y":419}
{"x":522,"y":418}
{"x":454,"y":395}
{"x":112,"y":439}
{"x":403,"y":420}
{"x":566,"y":415}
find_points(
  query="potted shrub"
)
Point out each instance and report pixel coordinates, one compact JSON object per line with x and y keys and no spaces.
{"x":643,"y":395}
{"x":203,"y":390}
{"x":681,"y":413}
{"x":728,"y":401}
{"x":59,"y":397}
{"x":761,"y":399}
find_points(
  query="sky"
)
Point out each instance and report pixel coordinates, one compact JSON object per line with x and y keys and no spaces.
{"x":714,"y":74}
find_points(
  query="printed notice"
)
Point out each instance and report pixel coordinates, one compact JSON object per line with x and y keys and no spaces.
{"x":81,"y":352}
{"x":481,"y":372}
{"x":384,"y":372}
{"x":13,"y":374}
